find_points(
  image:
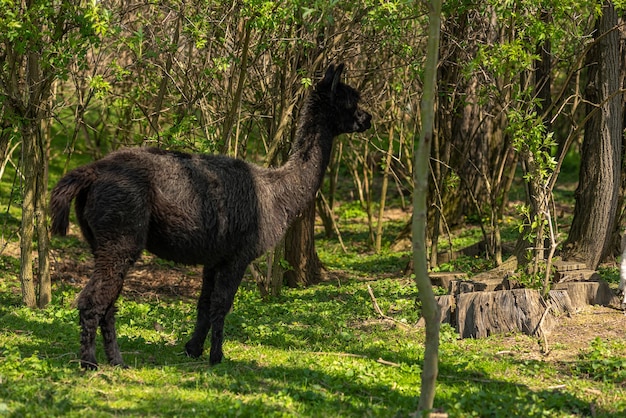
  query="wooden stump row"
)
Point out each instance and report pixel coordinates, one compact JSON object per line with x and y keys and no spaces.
{"x":495,"y":303}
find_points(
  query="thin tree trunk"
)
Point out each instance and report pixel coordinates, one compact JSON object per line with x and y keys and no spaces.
{"x":43,"y":240}
{"x":278,"y":271}
{"x":34,"y":211}
{"x":430,"y":309}
{"x":158,"y":107}
{"x":27,"y":235}
{"x":367,"y":189}
{"x":618,"y":227}
{"x":325,"y":206}
{"x":30,"y":114}
{"x":539,"y":193}
{"x":234,"y":110}
{"x":383,"y":190}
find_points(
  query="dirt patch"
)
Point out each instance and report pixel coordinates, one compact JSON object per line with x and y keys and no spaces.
{"x":571,"y":335}
{"x":149,"y":278}
{"x":576,"y":332}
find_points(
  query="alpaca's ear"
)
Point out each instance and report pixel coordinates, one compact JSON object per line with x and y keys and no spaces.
{"x":329,"y":75}
{"x":336,"y":78}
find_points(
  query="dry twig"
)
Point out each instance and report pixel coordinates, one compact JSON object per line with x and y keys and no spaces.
{"x":380,"y":312}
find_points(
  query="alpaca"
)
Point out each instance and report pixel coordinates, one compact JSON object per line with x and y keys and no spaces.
{"x":211,"y":210}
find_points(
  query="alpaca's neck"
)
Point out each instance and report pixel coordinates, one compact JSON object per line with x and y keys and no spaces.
{"x":304,"y":171}
{"x":288,"y":190}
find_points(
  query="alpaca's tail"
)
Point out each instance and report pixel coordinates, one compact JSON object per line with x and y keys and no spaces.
{"x":64,"y":192}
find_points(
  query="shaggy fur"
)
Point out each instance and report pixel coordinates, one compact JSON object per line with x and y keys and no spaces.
{"x":195,"y":209}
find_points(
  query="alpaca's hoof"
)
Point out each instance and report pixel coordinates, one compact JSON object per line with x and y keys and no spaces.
{"x":215,"y":357}
{"x":120,"y":365}
{"x":193,"y":350}
{"x":89,"y":365}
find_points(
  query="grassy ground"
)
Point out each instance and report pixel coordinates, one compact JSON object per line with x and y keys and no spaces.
{"x":321,"y":351}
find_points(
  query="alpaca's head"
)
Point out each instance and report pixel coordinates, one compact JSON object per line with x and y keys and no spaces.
{"x":340,"y":103}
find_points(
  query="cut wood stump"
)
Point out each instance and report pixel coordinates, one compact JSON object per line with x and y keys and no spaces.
{"x":466,"y":286}
{"x":560,"y":303}
{"x":482,"y":284}
{"x":564,"y":266}
{"x":495,"y":302}
{"x":585,"y":293}
{"x":447,"y":306}
{"x":481,"y":314}
{"x":445,"y":278}
{"x":511,"y":283}
{"x":576,"y":276}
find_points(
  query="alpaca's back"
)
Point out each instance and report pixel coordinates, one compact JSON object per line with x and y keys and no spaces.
{"x":187,"y":208}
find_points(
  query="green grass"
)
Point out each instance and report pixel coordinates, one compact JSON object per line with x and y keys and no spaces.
{"x":320,"y":351}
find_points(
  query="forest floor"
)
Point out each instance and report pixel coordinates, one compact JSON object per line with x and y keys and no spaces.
{"x":154,"y":279}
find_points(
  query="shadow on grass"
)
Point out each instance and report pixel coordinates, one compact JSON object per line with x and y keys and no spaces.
{"x":463,"y":392}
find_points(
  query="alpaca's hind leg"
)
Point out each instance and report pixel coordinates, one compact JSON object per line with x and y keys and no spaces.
{"x":195,"y":346}
{"x":96,"y":306}
{"x":226,"y":285}
{"x":111,"y":347}
{"x":89,"y":325}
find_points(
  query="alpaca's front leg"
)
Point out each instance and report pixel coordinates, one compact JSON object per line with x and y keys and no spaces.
{"x":195,"y":346}
{"x":222,"y":301}
{"x":217,"y":339}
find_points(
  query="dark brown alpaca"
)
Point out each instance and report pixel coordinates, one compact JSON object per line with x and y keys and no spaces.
{"x":195,"y":209}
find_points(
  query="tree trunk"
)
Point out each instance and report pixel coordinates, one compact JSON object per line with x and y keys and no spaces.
{"x":468,"y":160}
{"x":620,"y":215}
{"x":34,"y":220}
{"x":27,"y":107}
{"x":430,"y":308}
{"x":158,"y":105}
{"x":41,"y":219}
{"x":599,"y":179}
{"x":231,"y":117}
{"x":306,"y":267}
{"x":270,"y":282}
{"x":27,"y":235}
{"x":539,"y":194}
{"x":383,"y":191}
